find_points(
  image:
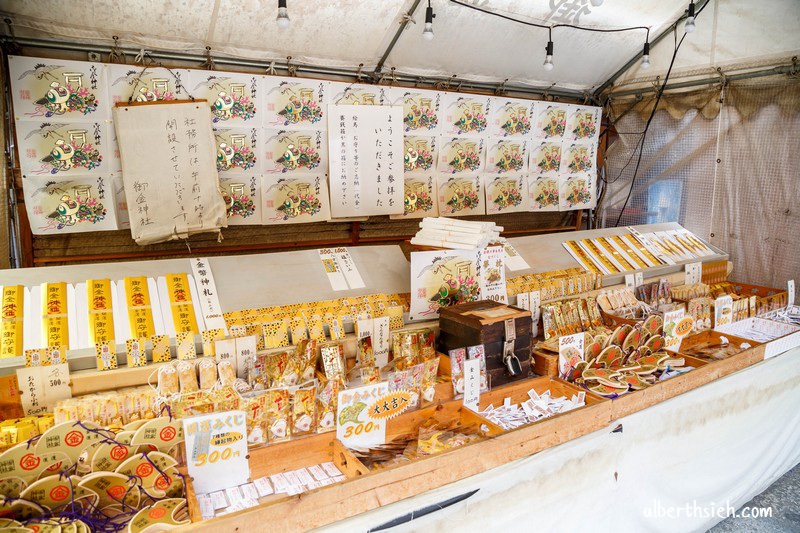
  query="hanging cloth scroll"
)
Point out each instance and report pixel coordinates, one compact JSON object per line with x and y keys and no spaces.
{"x":169,"y":170}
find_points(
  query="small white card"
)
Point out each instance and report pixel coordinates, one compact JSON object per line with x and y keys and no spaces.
{"x":472,"y":384}
{"x":570,"y":352}
{"x":263,"y":486}
{"x":694,"y":273}
{"x":331,"y":469}
{"x":723,"y":310}
{"x":514,"y":261}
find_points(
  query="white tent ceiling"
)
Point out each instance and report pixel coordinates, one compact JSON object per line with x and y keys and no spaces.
{"x":468,"y":44}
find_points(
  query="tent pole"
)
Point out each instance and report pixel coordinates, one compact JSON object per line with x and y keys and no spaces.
{"x":528,"y":91}
{"x":610,"y":81}
{"x":775,"y":71}
{"x":400,"y":30}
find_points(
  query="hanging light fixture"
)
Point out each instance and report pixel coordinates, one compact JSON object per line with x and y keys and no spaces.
{"x":548,"y":58}
{"x":597,"y":3}
{"x":282,"y":19}
{"x":689,"y":26}
{"x":427,"y":33}
{"x":646,"y":56}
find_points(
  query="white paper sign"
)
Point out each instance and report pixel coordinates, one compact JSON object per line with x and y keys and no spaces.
{"x":630,"y":281}
{"x":694,"y":273}
{"x":673,"y":338}
{"x":514,"y":261}
{"x":216,"y":450}
{"x":348,"y":267}
{"x":365,"y":144}
{"x":535,"y":299}
{"x":570,"y":352}
{"x":333,"y":270}
{"x":380,"y":340}
{"x":523,"y":301}
{"x":207,"y":294}
{"x":355,"y":428}
{"x":493,"y":274}
{"x":723,"y":310}
{"x":225,"y":350}
{"x":472,"y":384}
{"x":790,"y":289}
{"x":41,"y":387}
{"x":245,"y":348}
{"x":638,"y":279}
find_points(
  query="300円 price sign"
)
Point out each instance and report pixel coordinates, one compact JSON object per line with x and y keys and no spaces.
{"x":216,"y":450}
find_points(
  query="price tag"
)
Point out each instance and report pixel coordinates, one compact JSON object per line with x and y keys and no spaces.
{"x":791,"y":292}
{"x":723,"y":311}
{"x":333,"y":270}
{"x":225,"y":463}
{"x":694,"y":273}
{"x":630,"y":281}
{"x":225,"y":350}
{"x":535,"y":299}
{"x":41,"y":387}
{"x":570,"y":353}
{"x":207,"y":294}
{"x":514,"y":261}
{"x":380,"y":340}
{"x":355,"y":425}
{"x":245,"y":349}
{"x":472,"y":384}
{"x":524,"y":301}
{"x":349,"y":269}
{"x":676,"y":327}
{"x":638,"y":279}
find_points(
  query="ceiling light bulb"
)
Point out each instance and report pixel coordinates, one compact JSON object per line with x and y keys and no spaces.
{"x":282,"y":19}
{"x":548,"y":59}
{"x":646,"y":56}
{"x":689,"y":26}
{"x":427,"y":33}
{"x":597,"y":3}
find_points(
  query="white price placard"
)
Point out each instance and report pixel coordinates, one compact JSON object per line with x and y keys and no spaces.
{"x":472,"y":384}
{"x":333,"y":269}
{"x":676,"y":327}
{"x":216,"y":450}
{"x":693,"y":273}
{"x":630,"y":281}
{"x":723,"y":310}
{"x":790,"y":289}
{"x":570,"y":352}
{"x":207,"y":294}
{"x":355,"y":428}
{"x":41,"y":387}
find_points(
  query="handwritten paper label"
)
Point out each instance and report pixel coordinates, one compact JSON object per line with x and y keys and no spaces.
{"x":366,"y":160}
{"x":514,"y":261}
{"x":355,"y":427}
{"x":472,"y":384}
{"x":41,"y":387}
{"x":676,"y":327}
{"x":630,"y":281}
{"x":723,"y":310}
{"x":693,"y":273}
{"x":225,"y":463}
{"x":333,"y":270}
{"x":638,"y":279}
{"x":380,"y":340}
{"x":348,"y":267}
{"x":570,"y":353}
{"x":207,"y":294}
{"x":169,"y":170}
{"x":790,"y":288}
{"x":245,"y":349}
{"x":523,"y":301}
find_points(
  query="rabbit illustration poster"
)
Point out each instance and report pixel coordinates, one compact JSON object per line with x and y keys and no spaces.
{"x":578,"y":157}
{"x":288,"y":151}
{"x":466,"y":115}
{"x":461,"y":155}
{"x":512,"y":118}
{"x":242,"y":195}
{"x":419,"y":155}
{"x":238,"y":149}
{"x":576,"y":193}
{"x":56,"y":90}
{"x":505,"y":194}
{"x":443,"y":279}
{"x":543,"y":193}
{"x":507,"y":156}
{"x":135,"y":83}
{"x":294,"y":103}
{"x":357,"y":94}
{"x":233,"y":97}
{"x":460,"y":196}
{"x":70,"y":205}
{"x":421,"y":110}
{"x":419,"y":198}
{"x":545,"y":158}
{"x":583,"y":123}
{"x":63,"y":149}
{"x":551,"y":120}
{"x":295,"y":199}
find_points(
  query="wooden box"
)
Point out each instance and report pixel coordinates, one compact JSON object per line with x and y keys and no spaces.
{"x":731,"y":364}
{"x":484,"y":322}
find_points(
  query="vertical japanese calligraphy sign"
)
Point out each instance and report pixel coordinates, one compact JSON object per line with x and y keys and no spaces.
{"x":169,"y":170}
{"x":365,"y":146}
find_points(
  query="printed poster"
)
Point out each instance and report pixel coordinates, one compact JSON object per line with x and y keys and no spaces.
{"x":242,"y":195}
{"x":550,"y":121}
{"x":545,"y":158}
{"x":295,"y":199}
{"x":63,"y":149}
{"x":72,"y":205}
{"x":506,"y":194}
{"x":292,"y":103}
{"x":294,"y":151}
{"x":583,"y":124}
{"x":577,"y":193}
{"x":461,"y":196}
{"x":543,"y":193}
{"x":421,"y":111}
{"x":233,"y":97}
